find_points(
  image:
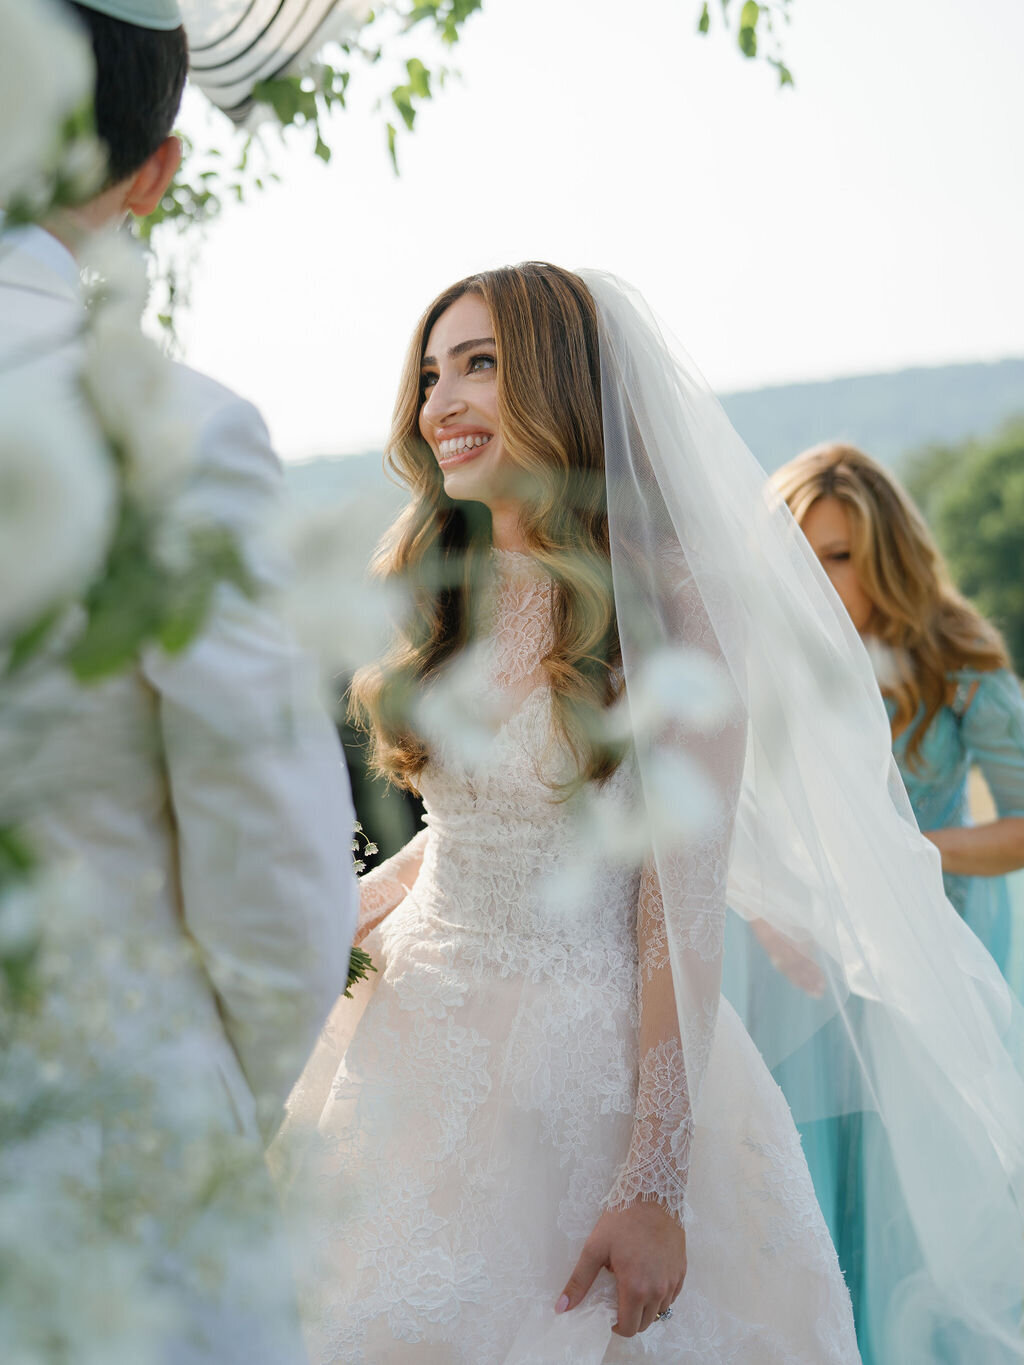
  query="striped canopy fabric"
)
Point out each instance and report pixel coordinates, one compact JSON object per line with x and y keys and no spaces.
{"x":236,"y":43}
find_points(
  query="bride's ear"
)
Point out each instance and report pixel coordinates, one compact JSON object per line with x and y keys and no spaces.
{"x":150,"y":181}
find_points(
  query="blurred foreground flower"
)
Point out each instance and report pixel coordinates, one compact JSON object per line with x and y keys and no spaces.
{"x":92,"y":462}
{"x":46,"y":75}
{"x":335,"y":609}
{"x":126,"y":376}
{"x":456,"y":715}
{"x":58,"y":498}
{"x":675,"y":685}
{"x":124,"y":1187}
{"x":127,"y":1190}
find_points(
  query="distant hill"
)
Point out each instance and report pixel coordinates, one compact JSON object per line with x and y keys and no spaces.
{"x":328,"y":478}
{"x":888,"y":415}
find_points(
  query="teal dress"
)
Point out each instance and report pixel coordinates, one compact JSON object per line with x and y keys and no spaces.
{"x":848,"y":1155}
{"x":983,"y":726}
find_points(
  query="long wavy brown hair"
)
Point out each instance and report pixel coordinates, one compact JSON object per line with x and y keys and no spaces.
{"x":549,"y":408}
{"x":916,"y":609}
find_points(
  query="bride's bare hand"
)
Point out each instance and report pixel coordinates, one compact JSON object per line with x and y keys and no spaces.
{"x":645,"y":1249}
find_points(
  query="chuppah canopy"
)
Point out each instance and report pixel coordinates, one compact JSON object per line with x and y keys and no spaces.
{"x":234,"y":44}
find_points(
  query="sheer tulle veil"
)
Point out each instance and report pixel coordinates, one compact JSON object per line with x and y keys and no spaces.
{"x":764,"y":748}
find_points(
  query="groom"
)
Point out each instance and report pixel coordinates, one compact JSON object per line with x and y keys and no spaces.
{"x":212,"y":810}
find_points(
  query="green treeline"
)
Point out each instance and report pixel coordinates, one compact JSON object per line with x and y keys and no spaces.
{"x":972,"y":493}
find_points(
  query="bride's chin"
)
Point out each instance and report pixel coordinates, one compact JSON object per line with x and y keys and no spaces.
{"x":461,"y":483}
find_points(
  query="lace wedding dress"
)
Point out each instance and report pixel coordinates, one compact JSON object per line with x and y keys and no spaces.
{"x":515,"y":1067}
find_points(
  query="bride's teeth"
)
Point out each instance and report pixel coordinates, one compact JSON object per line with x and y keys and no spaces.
{"x":457,"y":445}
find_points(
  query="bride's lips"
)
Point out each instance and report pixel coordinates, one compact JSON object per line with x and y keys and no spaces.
{"x":481,"y":440}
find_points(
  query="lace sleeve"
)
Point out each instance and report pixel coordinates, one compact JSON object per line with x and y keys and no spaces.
{"x":384,"y":889}
{"x":659,"y":1154}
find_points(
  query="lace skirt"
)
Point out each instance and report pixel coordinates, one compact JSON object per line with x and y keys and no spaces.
{"x":456,"y":1134}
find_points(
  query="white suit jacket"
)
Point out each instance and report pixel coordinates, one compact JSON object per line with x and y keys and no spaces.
{"x":205,"y":793}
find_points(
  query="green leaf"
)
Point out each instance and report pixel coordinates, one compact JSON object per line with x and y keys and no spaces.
{"x":124,"y":608}
{"x":392,"y":152}
{"x":285,"y":96}
{"x":186,"y":620}
{"x":21,"y":977}
{"x":321,"y":149}
{"x":420,"y":12}
{"x":31,"y":640}
{"x":419,"y":78}
{"x":16,"y":857}
{"x":113,"y":637}
{"x":747,"y":36}
{"x":401,"y":98}
{"x":704,"y":23}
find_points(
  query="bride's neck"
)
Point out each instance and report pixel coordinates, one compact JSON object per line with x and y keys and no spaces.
{"x":506,"y":533}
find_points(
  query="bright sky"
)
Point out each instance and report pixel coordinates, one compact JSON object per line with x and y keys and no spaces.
{"x":873,"y":218}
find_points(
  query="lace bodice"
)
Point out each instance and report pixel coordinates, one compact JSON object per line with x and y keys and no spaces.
{"x":507,"y":863}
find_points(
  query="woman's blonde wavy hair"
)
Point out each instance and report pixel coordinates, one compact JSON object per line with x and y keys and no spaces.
{"x":549,"y":407}
{"x":932,"y":629}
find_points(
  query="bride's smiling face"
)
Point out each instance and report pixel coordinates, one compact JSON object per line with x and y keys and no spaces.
{"x":459,"y":412}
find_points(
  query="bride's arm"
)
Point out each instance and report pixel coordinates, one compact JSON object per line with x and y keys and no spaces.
{"x":641,"y":1237}
{"x":384,"y":889}
{"x":659,"y":1154}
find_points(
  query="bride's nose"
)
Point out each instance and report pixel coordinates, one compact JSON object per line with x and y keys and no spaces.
{"x":443,"y":402}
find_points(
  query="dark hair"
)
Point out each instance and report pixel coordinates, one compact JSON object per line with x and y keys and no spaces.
{"x":140,"y":77}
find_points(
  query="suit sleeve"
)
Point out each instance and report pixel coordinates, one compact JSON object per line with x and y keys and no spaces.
{"x":259,"y":790}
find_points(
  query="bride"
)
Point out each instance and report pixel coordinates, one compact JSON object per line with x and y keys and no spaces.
{"x":539,"y":1135}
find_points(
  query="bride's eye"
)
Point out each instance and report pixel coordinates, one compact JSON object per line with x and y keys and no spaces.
{"x":427,"y":380}
{"x":481,"y":362}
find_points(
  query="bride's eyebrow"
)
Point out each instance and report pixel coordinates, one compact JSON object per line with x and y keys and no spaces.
{"x":463,"y":346}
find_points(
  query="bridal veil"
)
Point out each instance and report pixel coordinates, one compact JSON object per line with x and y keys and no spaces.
{"x":728,"y":625}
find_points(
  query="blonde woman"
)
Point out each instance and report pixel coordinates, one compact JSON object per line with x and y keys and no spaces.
{"x":943,"y":669}
{"x":953,"y":702}
{"x":538,"y":1135}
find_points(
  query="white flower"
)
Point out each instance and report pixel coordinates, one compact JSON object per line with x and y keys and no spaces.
{"x":127,"y":377}
{"x":115,"y":274}
{"x":46,"y":73}
{"x":889,"y":664}
{"x":676,"y":685}
{"x":20,"y":921}
{"x":682,"y":801}
{"x":58,"y":495}
{"x":128,"y":381}
{"x":334,"y":609}
{"x":456,"y":714}
{"x":71,"y":1285}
